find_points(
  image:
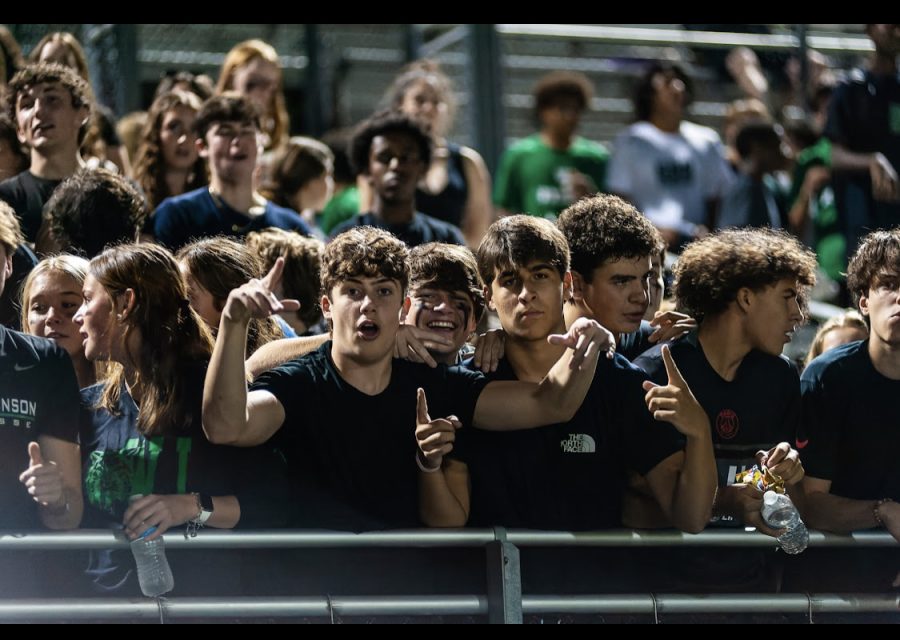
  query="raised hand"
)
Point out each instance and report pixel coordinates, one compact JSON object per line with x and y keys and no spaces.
{"x":670,"y":324}
{"x":256,"y":298}
{"x":434,"y":437}
{"x":43,"y":479}
{"x":675,"y":402}
{"x":588,"y":338}
{"x":412,"y":343}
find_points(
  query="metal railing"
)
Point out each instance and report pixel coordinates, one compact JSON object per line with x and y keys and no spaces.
{"x":503,"y":601}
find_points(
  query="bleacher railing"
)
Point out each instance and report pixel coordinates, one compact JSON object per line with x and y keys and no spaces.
{"x":502,"y":602}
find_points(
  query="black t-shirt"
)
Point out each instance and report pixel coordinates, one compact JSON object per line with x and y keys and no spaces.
{"x":38,"y":397}
{"x":421,"y":230}
{"x":23,"y":262}
{"x":27,"y":194}
{"x":567,"y":476}
{"x":757,"y":410}
{"x":850,"y":433}
{"x":864,"y":117}
{"x":118,"y":461}
{"x":356,"y":451}
{"x":633,"y":344}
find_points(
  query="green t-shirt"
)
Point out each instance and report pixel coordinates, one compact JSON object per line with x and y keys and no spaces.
{"x":534,"y":179}
{"x":831,"y":247}
{"x":343,"y":205}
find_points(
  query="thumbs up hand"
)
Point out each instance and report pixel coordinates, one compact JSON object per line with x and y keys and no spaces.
{"x":434,"y":437}
{"x":674,"y":402}
{"x":43,"y":480}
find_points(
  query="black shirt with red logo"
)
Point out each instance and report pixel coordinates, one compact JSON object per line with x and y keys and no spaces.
{"x":756,"y":410}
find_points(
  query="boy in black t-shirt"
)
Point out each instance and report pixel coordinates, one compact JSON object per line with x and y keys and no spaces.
{"x":571,"y":475}
{"x":849,"y":434}
{"x":745,"y":288}
{"x":51,"y":106}
{"x":349,"y":410}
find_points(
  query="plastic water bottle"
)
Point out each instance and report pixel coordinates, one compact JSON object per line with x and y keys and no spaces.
{"x":780,"y":513}
{"x":154,"y":574}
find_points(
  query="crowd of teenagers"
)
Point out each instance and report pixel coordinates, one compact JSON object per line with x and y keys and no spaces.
{"x":207,"y":322}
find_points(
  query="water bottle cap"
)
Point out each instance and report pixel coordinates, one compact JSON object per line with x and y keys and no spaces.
{"x":770,"y":497}
{"x":147,"y":533}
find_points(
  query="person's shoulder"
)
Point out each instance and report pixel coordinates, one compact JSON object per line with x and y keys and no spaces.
{"x":12,"y":186}
{"x":29,"y":350}
{"x":443,"y":230}
{"x":183,"y":201}
{"x":846,"y":360}
{"x":526,"y":145}
{"x":90,"y":396}
{"x":699,"y":133}
{"x":583,"y":146}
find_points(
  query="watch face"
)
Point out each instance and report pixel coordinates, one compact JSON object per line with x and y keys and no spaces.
{"x":206,"y":503}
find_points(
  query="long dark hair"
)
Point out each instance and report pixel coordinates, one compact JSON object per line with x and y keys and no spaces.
{"x":149,"y":169}
{"x":173,"y":336}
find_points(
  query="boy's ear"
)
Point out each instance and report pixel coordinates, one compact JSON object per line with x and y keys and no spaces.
{"x":488,"y":301}
{"x":576,"y":286}
{"x":404,"y":310}
{"x":325,"y":305}
{"x":744,"y":298}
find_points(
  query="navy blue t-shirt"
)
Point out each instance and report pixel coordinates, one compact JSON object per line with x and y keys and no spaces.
{"x":355,"y":452}
{"x":568,"y":476}
{"x":118,"y":461}
{"x":849,"y":431}
{"x":421,"y":230}
{"x":179,"y":220}
{"x":38,"y":397}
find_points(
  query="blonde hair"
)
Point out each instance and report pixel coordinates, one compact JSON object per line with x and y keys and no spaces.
{"x":275,"y":122}
{"x":848,"y":320}
{"x":74,"y":267}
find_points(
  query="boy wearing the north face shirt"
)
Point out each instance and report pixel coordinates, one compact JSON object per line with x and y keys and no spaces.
{"x":572,"y":475}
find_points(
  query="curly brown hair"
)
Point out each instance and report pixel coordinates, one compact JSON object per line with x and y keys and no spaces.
{"x":149,"y":170}
{"x":712,"y":270}
{"x":449,"y":267}
{"x":562,"y":84}
{"x":367,"y":252}
{"x":43,"y":72}
{"x":878,"y":251}
{"x":302,"y":266}
{"x":605,"y":228}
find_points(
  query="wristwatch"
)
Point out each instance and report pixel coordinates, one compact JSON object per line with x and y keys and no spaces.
{"x":206,"y":508}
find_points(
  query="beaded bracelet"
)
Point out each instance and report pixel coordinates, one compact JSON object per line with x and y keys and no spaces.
{"x":875,"y":509}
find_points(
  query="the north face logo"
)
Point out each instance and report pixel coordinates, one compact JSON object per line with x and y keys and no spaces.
{"x":727,"y":424}
{"x":578,"y":443}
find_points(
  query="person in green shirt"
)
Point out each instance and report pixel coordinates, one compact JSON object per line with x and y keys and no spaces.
{"x":546,"y":172}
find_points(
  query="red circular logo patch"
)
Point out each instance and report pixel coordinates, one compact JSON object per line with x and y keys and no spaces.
{"x":727,"y":424}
